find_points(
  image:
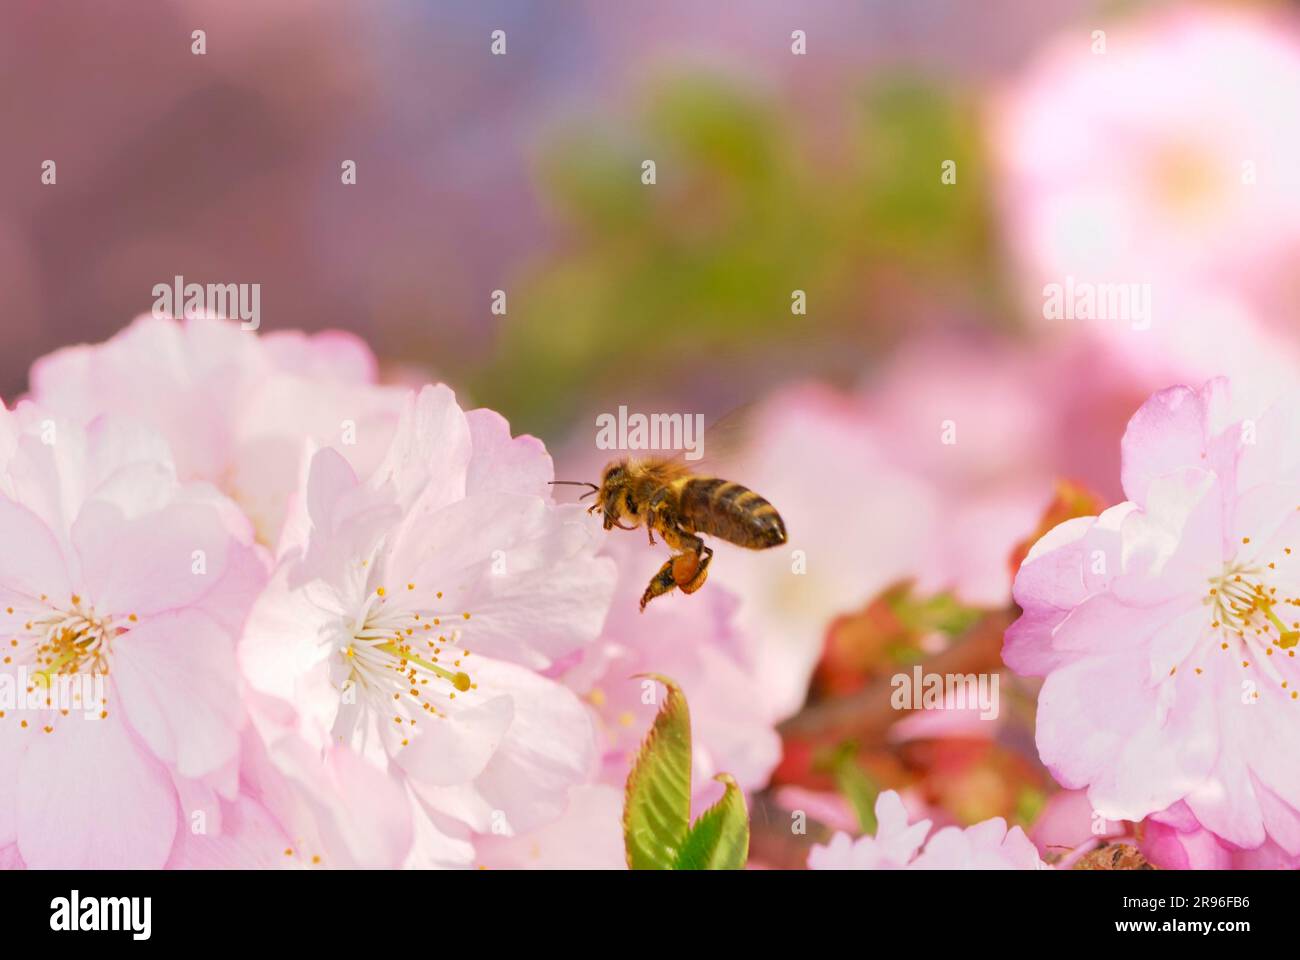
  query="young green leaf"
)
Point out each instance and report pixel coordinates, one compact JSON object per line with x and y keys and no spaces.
{"x":857,"y":787}
{"x":720,"y":838}
{"x":657,"y":804}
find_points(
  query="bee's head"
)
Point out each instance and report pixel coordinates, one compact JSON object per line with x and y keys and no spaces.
{"x":612,"y":494}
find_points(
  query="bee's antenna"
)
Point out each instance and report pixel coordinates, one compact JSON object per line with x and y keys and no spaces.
{"x":579,"y":483}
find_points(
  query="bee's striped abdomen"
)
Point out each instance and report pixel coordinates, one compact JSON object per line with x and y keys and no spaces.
{"x":732,"y":512}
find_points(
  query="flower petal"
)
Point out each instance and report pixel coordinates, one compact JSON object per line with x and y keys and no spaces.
{"x":548,"y":748}
{"x":92,"y":797}
{"x":175,"y":678}
{"x":164,"y":560}
{"x":504,"y":463}
{"x":32,"y":563}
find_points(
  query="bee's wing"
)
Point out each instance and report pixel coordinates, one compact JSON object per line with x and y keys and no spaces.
{"x":726,"y":438}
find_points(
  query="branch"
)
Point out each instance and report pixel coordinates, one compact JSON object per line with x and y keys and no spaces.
{"x":867,"y":714}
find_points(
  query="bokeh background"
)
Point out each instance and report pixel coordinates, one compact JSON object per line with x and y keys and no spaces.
{"x":1168,"y":156}
{"x":520,"y":172}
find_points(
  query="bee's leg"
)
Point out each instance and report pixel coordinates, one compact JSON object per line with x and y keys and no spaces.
{"x":685,"y":569}
{"x":678,"y":568}
{"x":659,"y":513}
{"x":701,"y":571}
{"x":661,"y":583}
{"x":690,"y":566}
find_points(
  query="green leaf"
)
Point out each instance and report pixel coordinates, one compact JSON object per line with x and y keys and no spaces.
{"x":941,"y":612}
{"x":657,"y":803}
{"x":719,"y":840}
{"x":858,"y":788}
{"x":1029,"y":804}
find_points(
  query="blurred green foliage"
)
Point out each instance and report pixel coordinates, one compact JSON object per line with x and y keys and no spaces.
{"x":941,"y":612}
{"x":856,"y":786}
{"x":1029,"y":804}
{"x":684,"y":287}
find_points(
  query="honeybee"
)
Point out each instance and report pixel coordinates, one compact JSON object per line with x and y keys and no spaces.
{"x":665,"y":496}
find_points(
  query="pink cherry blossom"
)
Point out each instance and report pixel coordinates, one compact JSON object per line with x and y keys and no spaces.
{"x":1156,"y":162}
{"x":897,"y":845}
{"x":235,"y":407}
{"x":1168,"y":158}
{"x":1166,"y":627}
{"x":1174,"y":840}
{"x":410,"y":613}
{"x":122,"y":592}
